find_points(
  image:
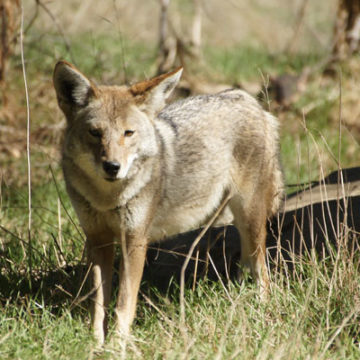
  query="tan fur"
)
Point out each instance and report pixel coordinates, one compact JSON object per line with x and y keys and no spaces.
{"x":138,"y":171}
{"x":139,"y":89}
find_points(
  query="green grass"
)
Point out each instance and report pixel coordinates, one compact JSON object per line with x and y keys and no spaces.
{"x":249,"y":62}
{"x":299,"y":321}
{"x":314,"y":313}
{"x":111,"y":59}
{"x":31,"y":331}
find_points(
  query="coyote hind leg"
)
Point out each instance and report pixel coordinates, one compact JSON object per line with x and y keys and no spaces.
{"x":251,"y":224}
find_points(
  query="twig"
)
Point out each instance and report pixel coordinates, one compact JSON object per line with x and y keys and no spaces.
{"x":193,"y":246}
{"x":76,"y":301}
{"x":61,"y":258}
{"x":60,"y":230}
{"x":121,"y":38}
{"x":195,"y":270}
{"x":27,"y":139}
{"x":60,"y":30}
{"x":6,"y":336}
{"x":196,"y":26}
{"x":339,"y":177}
{"x":85,"y":297}
{"x":63,"y":290}
{"x":219,"y":277}
{"x":175,"y":253}
{"x":62,"y":203}
{"x":162,"y":314}
{"x":299,"y":21}
{"x":266,"y":87}
{"x":338,"y":331}
{"x":224,"y":255}
{"x":24,"y":242}
{"x":163,"y":28}
{"x":32,"y":20}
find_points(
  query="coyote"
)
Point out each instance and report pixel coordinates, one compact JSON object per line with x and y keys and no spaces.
{"x":138,"y":170}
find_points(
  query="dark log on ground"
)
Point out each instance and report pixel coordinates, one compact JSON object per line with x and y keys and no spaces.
{"x":318,"y":219}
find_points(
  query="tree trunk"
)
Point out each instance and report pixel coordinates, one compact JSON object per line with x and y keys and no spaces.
{"x":347,"y":29}
{"x":175,"y":48}
{"x":9,"y":10}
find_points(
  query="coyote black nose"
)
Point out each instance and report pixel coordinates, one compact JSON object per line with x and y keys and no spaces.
{"x":111,"y":167}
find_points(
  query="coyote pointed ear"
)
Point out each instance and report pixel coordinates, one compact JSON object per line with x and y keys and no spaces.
{"x":72,"y":88}
{"x":153,"y":93}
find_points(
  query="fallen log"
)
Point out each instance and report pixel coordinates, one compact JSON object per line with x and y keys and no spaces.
{"x":314,"y":221}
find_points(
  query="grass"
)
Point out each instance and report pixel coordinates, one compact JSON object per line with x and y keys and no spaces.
{"x":248,"y":62}
{"x":312,"y":313}
{"x":299,"y":321}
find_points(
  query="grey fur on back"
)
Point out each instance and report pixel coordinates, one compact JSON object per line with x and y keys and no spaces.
{"x":211,"y":144}
{"x":211,"y":131}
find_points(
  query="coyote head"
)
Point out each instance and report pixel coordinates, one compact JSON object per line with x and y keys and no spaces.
{"x":109,"y":128}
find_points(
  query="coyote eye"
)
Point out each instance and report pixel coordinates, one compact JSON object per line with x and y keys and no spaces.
{"x":129,"y":133}
{"x":95,"y":133}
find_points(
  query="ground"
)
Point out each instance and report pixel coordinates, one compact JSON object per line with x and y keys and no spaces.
{"x":312,"y":313}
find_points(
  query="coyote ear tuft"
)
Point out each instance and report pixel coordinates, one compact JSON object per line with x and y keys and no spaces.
{"x":71,"y":86}
{"x":153,"y":93}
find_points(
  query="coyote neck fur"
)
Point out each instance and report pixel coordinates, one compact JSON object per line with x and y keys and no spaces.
{"x":103,"y":196}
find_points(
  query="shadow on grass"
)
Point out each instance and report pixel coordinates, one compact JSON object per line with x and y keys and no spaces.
{"x":318,"y":220}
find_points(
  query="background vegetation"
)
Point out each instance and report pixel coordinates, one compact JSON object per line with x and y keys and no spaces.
{"x":313,"y":313}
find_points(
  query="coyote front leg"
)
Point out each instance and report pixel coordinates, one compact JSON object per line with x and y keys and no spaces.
{"x":131,"y":270}
{"x":100,"y":258}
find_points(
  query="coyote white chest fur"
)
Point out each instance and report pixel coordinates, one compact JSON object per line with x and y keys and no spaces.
{"x":138,"y":171}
